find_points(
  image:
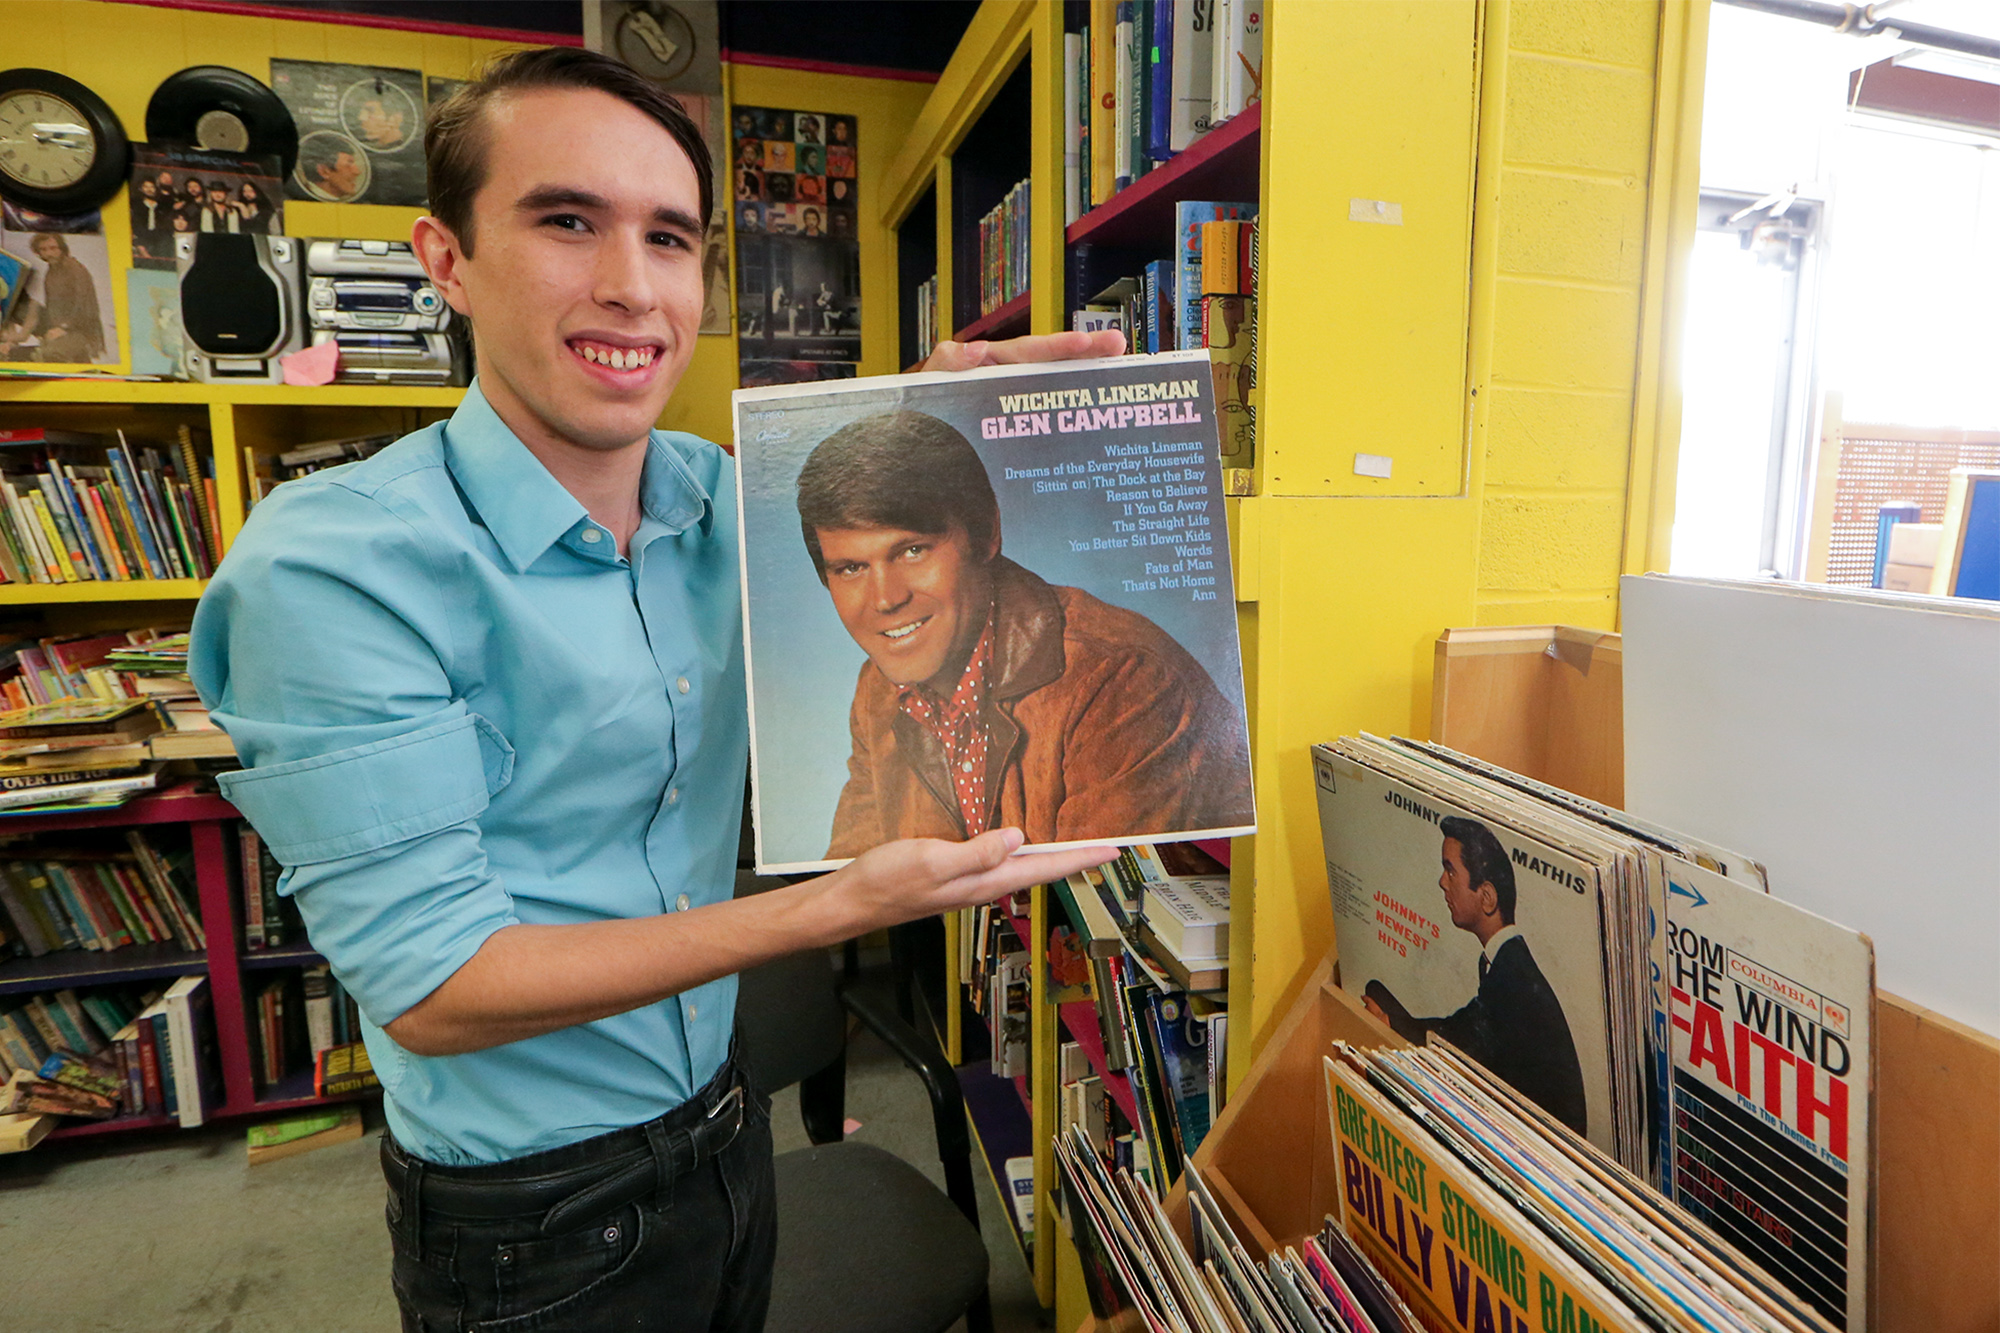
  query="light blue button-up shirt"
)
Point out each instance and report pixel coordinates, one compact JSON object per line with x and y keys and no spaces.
{"x":458,"y":708}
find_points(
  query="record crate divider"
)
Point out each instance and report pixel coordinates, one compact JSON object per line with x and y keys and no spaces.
{"x":208,"y":818}
{"x":1270,"y":1161}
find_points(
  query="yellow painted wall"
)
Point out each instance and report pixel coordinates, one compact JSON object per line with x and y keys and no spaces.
{"x":1500,"y":345}
{"x":123,"y":52}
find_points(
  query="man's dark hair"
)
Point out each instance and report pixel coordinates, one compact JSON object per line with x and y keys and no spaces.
{"x":455,"y":138}
{"x":1485,"y":860}
{"x":903,"y":470}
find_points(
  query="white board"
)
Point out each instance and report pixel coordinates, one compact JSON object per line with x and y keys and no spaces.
{"x":1849,"y":740}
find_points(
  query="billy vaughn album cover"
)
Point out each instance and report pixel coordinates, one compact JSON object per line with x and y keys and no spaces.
{"x":993,"y":599}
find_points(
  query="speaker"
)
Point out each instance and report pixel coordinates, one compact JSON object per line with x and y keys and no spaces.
{"x":240,"y":308}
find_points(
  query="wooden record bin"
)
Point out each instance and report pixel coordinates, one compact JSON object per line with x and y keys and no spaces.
{"x":1270,"y":1158}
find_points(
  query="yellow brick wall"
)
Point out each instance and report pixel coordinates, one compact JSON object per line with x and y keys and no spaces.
{"x":1576,"y":146}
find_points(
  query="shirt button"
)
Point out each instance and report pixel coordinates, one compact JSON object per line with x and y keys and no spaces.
{"x":681,"y":903}
{"x":682,"y":684}
{"x":967,"y":765}
{"x":673,"y":796}
{"x":592,"y":535}
{"x":694,"y":1012}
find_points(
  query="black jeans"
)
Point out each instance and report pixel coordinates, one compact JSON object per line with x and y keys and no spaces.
{"x":670,"y":1225}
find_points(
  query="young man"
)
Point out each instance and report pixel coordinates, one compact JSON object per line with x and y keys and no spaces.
{"x":1514,"y":1025}
{"x":488,"y":690}
{"x":991,"y":697}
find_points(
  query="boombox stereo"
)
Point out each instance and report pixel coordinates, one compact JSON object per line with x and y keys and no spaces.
{"x":373,"y":285}
{"x":374,"y":299}
{"x":239,"y":306}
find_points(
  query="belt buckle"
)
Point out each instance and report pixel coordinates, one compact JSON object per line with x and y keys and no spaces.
{"x":731,"y":1099}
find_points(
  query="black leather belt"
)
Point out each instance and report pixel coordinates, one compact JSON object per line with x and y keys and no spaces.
{"x":642,"y":1160}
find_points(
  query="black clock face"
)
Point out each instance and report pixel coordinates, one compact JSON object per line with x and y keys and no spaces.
{"x":61,"y":148}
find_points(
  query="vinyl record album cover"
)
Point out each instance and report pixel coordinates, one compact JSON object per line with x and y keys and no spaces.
{"x":991,"y":599}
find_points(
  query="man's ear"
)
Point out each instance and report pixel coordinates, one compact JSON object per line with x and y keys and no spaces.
{"x":438,"y":250}
{"x":1489,"y":899}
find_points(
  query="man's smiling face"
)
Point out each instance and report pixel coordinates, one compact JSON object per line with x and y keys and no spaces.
{"x":584,"y":277}
{"x":915,"y":602}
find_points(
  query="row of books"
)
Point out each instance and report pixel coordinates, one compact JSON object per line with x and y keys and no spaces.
{"x":91,"y":899}
{"x":1203,"y":295}
{"x":87,"y":507}
{"x":1612,"y":981}
{"x":111,"y":1052}
{"x":262,"y":472}
{"x":1143,"y":79}
{"x":1003,"y":250}
{"x":270,"y":920}
{"x":298,"y":1017}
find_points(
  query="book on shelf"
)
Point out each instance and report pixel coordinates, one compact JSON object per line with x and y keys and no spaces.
{"x":191,"y":1035}
{"x":1102,"y":52}
{"x":76,"y":724}
{"x":1076,"y":82}
{"x":1020,"y":1173}
{"x":342,"y":1070}
{"x":277,"y":1139}
{"x":1237,"y":70}
{"x":1722,"y":1038}
{"x":1003,"y":249}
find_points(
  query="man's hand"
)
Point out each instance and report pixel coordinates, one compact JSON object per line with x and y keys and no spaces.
{"x":1074,"y":346}
{"x":918,"y":877}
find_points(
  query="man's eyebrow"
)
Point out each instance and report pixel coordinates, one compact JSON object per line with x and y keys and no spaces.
{"x":569,"y":196}
{"x":560,"y":196}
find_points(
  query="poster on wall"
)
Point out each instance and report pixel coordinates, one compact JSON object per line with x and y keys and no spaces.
{"x":181,"y":190}
{"x":63,"y":314}
{"x":361,"y":132}
{"x":798,"y":255}
{"x":990,"y":599}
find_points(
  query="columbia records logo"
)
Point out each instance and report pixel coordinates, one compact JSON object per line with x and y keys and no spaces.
{"x":1323,"y":774}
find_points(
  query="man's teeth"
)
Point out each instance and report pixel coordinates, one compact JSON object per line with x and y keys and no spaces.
{"x":904,"y":631}
{"x":618,"y":358}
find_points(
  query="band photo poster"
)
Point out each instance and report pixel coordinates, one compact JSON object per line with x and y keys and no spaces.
{"x":991,"y":599}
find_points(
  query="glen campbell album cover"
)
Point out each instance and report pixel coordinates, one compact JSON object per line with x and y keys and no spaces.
{"x":987,"y":600}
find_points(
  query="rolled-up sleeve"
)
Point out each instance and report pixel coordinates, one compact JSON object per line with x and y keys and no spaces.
{"x":322,"y":647}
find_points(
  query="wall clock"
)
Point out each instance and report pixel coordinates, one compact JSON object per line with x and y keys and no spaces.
{"x":62,"y":149}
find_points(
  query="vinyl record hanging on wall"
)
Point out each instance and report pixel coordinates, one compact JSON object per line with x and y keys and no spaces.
{"x":222,"y":110}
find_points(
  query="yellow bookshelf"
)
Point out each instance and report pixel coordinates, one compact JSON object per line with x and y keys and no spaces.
{"x":111,"y":590}
{"x":266,"y":419}
{"x":1508,"y":343}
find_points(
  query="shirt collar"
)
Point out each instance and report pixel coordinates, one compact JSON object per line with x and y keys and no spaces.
{"x":527,"y":510}
{"x":1500,"y":937}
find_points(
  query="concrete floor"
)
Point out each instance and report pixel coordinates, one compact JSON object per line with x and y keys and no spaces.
{"x":175,"y":1233}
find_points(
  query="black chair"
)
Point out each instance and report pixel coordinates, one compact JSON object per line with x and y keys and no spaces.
{"x":866,"y":1243}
